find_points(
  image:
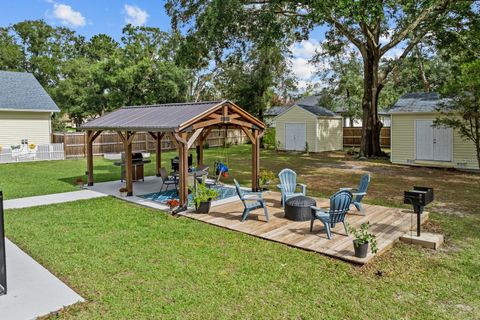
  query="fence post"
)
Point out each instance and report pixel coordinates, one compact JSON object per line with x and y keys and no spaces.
{"x":64,"y":145}
{"x":84,"y":144}
{"x":146,"y":141}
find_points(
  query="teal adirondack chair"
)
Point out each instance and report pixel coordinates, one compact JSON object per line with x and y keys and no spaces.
{"x":360,"y":192}
{"x":251,"y":201}
{"x":288,"y":185}
{"x":339,"y":206}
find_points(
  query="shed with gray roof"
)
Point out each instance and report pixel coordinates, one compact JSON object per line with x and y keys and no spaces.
{"x":308,"y":127}
{"x":416,"y":141}
{"x":25,"y":110}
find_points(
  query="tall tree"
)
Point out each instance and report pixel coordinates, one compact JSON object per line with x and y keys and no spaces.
{"x":362,"y":24}
{"x":223,"y":31}
{"x":250,"y":80}
{"x":11,"y":54}
{"x":45,"y":48}
{"x":464,"y":112}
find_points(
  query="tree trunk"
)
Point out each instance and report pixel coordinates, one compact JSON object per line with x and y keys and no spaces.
{"x":478,"y":155}
{"x":421,"y":67}
{"x":371,"y":126}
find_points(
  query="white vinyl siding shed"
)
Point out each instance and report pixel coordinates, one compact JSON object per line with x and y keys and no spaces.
{"x":415,"y":142}
{"x":322,"y":131}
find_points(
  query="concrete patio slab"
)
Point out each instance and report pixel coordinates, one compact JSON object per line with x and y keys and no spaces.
{"x":51,"y":199}
{"x":150,"y":185}
{"x":32,"y":290}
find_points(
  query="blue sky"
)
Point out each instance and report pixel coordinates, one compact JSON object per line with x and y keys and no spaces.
{"x":88,"y":17}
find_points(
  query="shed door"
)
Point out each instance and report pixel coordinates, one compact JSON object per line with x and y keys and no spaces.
{"x":295,"y":136}
{"x":442,"y":144}
{"x":433,"y":143}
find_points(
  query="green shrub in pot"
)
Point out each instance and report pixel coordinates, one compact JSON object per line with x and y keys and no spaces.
{"x":203,"y":196}
{"x":362,"y":239}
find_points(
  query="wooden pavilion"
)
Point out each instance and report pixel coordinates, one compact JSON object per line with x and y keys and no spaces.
{"x":186,"y":123}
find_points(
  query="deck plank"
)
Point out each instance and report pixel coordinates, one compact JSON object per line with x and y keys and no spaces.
{"x":388,"y":224}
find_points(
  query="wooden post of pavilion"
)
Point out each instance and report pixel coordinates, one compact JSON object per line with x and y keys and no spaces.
{"x":158,"y":153}
{"x":201,"y":142}
{"x":255,"y":160}
{"x":127,"y":143}
{"x":181,"y":139}
{"x":90,"y":136}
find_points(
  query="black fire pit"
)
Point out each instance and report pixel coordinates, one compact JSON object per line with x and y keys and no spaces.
{"x":419,"y":197}
{"x":298,"y":208}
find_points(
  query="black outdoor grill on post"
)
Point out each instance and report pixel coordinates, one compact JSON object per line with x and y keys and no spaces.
{"x":3,"y":262}
{"x":419,"y":197}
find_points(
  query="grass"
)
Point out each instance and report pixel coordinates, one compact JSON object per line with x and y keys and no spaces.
{"x":131,"y":262}
{"x":456,"y":192}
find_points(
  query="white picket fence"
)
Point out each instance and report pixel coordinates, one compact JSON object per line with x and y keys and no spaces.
{"x":41,"y":152}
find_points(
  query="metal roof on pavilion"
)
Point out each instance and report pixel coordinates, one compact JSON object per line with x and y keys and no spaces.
{"x":161,"y":117}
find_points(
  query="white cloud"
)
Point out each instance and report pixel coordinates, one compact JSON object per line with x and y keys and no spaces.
{"x":302,"y":69}
{"x":306,"y":48}
{"x":393,"y":53}
{"x":68,"y":16}
{"x":135,"y":15}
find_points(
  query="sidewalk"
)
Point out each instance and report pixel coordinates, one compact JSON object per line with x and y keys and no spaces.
{"x":51,"y":199}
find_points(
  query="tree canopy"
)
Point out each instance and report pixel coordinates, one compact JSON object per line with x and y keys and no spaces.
{"x":374,"y":28}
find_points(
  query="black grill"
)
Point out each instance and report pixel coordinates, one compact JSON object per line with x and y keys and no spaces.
{"x":419,"y":197}
{"x":175,"y":162}
{"x":137,"y":157}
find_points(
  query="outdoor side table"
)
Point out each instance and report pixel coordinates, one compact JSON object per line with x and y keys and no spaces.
{"x":298,"y":208}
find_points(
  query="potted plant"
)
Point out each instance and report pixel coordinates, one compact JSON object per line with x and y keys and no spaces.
{"x":202,"y":197}
{"x":362,"y":239}
{"x":79,"y":182}
{"x":173,"y":203}
{"x":123,"y":191}
{"x":265,"y":178}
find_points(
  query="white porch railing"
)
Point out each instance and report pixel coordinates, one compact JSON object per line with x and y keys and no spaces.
{"x":24,"y":153}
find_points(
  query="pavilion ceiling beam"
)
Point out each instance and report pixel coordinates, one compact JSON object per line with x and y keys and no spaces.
{"x":130,"y":136}
{"x":206,"y":123}
{"x":154,"y":134}
{"x":122,"y":137}
{"x":249,"y":134}
{"x":180,"y":137}
{"x":244,"y":124}
{"x":206,"y":133}
{"x":94,"y":136}
{"x":173,"y":140}
{"x":194,"y":137}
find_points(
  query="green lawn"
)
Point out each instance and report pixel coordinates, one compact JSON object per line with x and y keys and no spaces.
{"x":131,"y":262}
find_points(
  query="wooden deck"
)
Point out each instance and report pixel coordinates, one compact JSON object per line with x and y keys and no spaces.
{"x":388,"y":224}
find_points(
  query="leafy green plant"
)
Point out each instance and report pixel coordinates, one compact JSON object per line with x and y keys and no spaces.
{"x":269,"y":138}
{"x":203,"y":194}
{"x":363,"y":236}
{"x":265,"y":177}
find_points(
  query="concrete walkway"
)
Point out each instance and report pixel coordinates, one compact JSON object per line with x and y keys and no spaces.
{"x":51,"y":199}
{"x":32,"y":290}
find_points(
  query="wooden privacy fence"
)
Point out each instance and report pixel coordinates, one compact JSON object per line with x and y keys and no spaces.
{"x":75,"y":143}
{"x":353,"y":136}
